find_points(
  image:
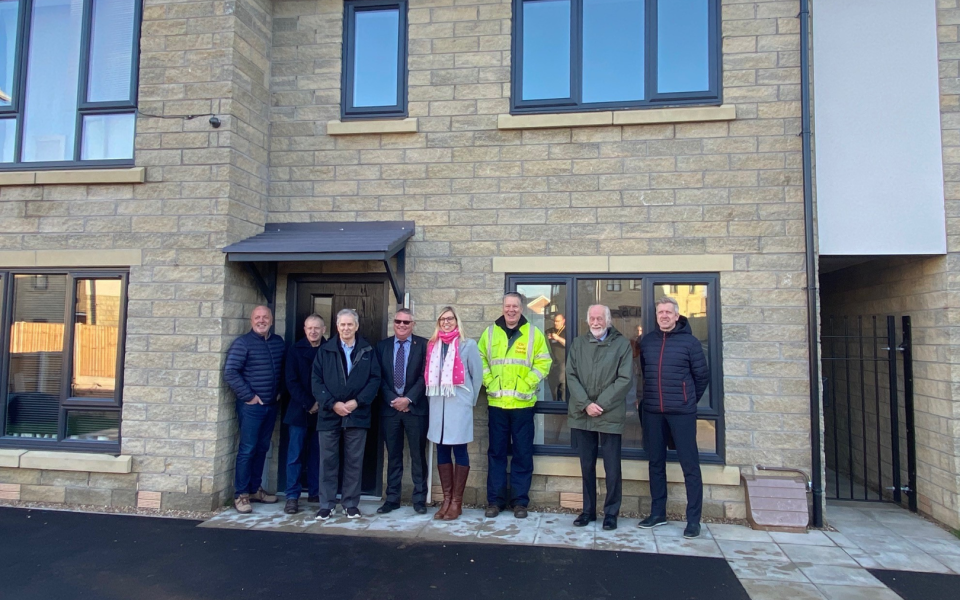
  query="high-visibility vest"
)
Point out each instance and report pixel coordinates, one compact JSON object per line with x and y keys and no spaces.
{"x":512,"y":374}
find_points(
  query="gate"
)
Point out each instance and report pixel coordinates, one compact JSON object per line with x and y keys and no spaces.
{"x":868,"y":410}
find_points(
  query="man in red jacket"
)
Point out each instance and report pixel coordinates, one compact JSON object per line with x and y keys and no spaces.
{"x":675,"y":377}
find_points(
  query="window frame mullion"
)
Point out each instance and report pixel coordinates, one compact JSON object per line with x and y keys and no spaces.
{"x":83,"y":74}
{"x":66,"y":371}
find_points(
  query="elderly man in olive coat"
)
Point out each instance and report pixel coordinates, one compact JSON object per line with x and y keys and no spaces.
{"x":599,"y":373}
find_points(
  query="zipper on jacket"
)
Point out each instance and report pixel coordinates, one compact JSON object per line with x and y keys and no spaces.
{"x":684,"y":392}
{"x":660,"y":371}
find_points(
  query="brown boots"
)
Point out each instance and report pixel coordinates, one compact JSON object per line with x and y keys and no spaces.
{"x":459,"y":483}
{"x":446,"y":482}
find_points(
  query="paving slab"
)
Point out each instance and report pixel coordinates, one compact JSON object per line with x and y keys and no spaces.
{"x":685,"y":547}
{"x":833,"y":575}
{"x":778,"y":590}
{"x":738,"y":533}
{"x":768,"y":570}
{"x":751,"y":551}
{"x":818,"y":555}
{"x":810,"y":538}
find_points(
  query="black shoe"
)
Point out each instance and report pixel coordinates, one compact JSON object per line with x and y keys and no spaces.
{"x":353,"y":513}
{"x":651,"y":522}
{"x":313,"y":499}
{"x":584,"y":519}
{"x":387,"y":507}
{"x":420,"y":508}
{"x":323,"y":514}
{"x":692,"y":530}
{"x":492,"y":512}
{"x":291,"y":507}
{"x":609,"y":522}
{"x":520,"y":512}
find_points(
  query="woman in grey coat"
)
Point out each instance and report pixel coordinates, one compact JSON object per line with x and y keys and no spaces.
{"x":454,"y":375}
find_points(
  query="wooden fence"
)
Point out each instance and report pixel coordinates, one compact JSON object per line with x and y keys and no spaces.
{"x":95,"y":346}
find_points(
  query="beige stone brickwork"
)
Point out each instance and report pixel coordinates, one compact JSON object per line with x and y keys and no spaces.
{"x":479,"y":192}
{"x":271,"y":71}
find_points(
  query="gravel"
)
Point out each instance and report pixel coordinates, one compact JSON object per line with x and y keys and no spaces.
{"x":116,"y":510}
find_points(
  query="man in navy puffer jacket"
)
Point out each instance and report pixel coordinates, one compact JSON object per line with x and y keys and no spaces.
{"x":252,"y":370}
{"x":675,"y":377}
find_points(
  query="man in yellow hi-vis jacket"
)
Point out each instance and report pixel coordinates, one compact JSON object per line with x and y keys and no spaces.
{"x":515,"y":361}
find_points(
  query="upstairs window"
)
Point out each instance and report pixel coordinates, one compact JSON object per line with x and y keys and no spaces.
{"x":603,"y":54}
{"x":68,"y":82}
{"x":374,"y":82}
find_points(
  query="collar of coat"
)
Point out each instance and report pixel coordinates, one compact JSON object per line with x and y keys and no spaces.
{"x":502,"y":324}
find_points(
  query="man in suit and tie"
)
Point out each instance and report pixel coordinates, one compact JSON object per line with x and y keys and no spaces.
{"x":405,"y":409}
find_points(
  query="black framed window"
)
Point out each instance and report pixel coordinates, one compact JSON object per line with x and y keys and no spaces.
{"x":61,"y":366}
{"x":68,"y":71}
{"x":602,"y":54}
{"x":558,"y":305}
{"x":374,"y":82}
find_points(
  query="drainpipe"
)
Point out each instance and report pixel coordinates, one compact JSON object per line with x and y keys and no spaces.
{"x":812,"y":320}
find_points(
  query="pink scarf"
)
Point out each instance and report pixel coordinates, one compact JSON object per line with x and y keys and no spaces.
{"x":442,"y":379}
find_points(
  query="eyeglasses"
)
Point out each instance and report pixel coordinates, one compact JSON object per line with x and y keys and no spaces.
{"x":401,"y":322}
{"x":446,"y":319}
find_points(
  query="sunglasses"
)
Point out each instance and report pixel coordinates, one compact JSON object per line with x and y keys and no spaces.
{"x":401,"y":322}
{"x":446,"y":319}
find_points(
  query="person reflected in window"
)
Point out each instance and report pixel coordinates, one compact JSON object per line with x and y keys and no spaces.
{"x":454,"y":375}
{"x":557,"y":341}
{"x":599,"y":372}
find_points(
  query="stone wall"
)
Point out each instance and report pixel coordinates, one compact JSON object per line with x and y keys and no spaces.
{"x":478,"y":192}
{"x":917,"y":287}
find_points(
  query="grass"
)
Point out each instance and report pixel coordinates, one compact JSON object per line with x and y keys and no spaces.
{"x":956,"y":532}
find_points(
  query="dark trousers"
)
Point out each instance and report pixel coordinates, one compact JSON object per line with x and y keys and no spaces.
{"x":510,"y":426}
{"x":656,"y":428}
{"x":415,"y":427}
{"x":303,"y":447}
{"x":446,"y":454}
{"x":354,"y":440}
{"x":588,"y":444}
{"x":256,"y":423}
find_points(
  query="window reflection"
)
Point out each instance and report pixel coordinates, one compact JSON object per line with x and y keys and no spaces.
{"x":100,"y":426}
{"x":36,"y":355}
{"x":376,"y":47}
{"x":683,"y":46}
{"x":50,"y":113}
{"x":96,"y":336}
{"x":546,"y":309}
{"x":9,"y":13}
{"x":613,"y":39}
{"x":546,"y":49}
{"x":693,"y":301}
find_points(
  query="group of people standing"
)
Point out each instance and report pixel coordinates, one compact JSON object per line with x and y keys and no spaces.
{"x":428,"y":389}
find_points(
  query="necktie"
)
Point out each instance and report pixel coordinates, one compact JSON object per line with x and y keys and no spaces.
{"x":398,"y":371}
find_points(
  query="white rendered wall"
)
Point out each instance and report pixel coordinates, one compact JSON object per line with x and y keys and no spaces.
{"x":879,"y":165}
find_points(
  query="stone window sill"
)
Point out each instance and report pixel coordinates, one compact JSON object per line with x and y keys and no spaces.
{"x":408,"y":125}
{"x":79,"y":176}
{"x":65,"y":461}
{"x":635,"y":470}
{"x":695,"y":114}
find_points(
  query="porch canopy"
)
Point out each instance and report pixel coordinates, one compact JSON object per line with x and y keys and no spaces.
{"x":301,"y":242}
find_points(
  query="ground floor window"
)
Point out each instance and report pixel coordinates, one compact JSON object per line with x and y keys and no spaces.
{"x":558,"y":305}
{"x":62,"y":359}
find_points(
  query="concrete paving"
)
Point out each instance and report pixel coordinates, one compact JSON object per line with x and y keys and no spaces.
{"x":810,"y":566}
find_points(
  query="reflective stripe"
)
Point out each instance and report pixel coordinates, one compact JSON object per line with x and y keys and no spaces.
{"x":511,"y":394}
{"x":539,"y":375}
{"x":542,"y":356}
{"x":510,"y":361}
{"x":532,"y":334}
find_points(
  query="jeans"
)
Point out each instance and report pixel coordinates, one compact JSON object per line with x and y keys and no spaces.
{"x":510,"y":426}
{"x":459,"y":452}
{"x":656,"y":428}
{"x":588,"y":445}
{"x":304,"y":444}
{"x":256,"y":423}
